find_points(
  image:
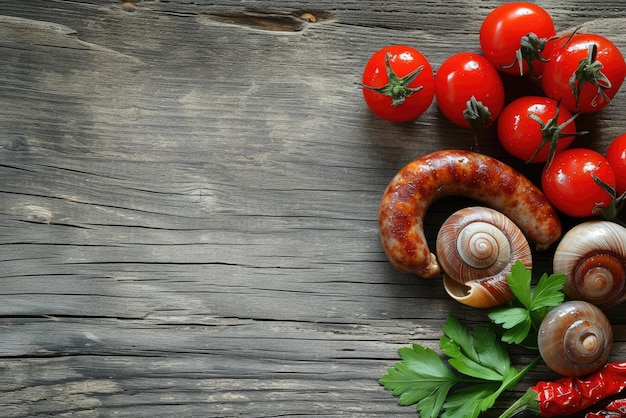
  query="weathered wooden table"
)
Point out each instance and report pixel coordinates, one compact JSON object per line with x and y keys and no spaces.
{"x":189,"y":203}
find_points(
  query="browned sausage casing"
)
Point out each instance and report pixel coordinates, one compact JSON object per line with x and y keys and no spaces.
{"x":464,"y":173}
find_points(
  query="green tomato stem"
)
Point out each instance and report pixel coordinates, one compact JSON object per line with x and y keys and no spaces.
{"x":397,"y":87}
{"x":552,"y":132}
{"x":530,"y":50}
{"x":589,"y":71}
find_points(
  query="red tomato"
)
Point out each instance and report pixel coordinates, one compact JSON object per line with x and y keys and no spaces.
{"x":398,"y":83}
{"x":463,"y":76}
{"x":513,"y":35}
{"x":528,"y":124}
{"x":616,"y":156}
{"x":569,"y":185}
{"x":593,"y":64}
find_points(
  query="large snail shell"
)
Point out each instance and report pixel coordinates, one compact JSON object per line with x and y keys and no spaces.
{"x":575,"y":338}
{"x":476,"y":247}
{"x":592,"y":255}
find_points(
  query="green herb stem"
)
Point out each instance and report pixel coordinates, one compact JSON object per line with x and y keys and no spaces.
{"x":523,"y":372}
{"x":528,"y":402}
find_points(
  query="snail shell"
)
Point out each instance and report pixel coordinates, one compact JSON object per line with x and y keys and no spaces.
{"x":575,"y":338}
{"x":592,"y":255}
{"x":476,"y":247}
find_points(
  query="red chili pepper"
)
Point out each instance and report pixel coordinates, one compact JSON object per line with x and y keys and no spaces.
{"x":615,"y":409}
{"x":569,"y":395}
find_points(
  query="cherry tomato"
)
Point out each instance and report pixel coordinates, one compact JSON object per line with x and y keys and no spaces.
{"x":616,"y":156}
{"x":530,"y":129}
{"x":569,"y":185}
{"x":513,"y":35}
{"x":463,"y":76}
{"x":585,"y":72}
{"x":398,"y":83}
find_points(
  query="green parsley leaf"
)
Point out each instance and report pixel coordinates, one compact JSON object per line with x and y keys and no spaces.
{"x":510,"y":317}
{"x":519,"y":281}
{"x":518,"y":321}
{"x":470,"y":401}
{"x":466,"y":365}
{"x":482,"y":371}
{"x":491,"y":353}
{"x":548,"y":293}
{"x":478,"y":356}
{"x":422,"y":377}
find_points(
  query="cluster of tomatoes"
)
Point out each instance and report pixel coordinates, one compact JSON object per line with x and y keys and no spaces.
{"x":577,"y":72}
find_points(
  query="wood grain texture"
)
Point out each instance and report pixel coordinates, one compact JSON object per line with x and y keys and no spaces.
{"x":188,"y":204}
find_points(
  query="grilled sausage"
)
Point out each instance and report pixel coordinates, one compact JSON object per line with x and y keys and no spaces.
{"x":464,"y":173}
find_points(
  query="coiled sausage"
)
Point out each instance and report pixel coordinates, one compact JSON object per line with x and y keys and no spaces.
{"x":464,"y":173}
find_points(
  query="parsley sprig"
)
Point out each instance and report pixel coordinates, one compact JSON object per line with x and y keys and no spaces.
{"x":478,"y":368}
{"x":482,"y":371}
{"x":525,"y":313}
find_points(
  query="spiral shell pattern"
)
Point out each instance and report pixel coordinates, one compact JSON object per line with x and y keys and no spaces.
{"x":476,"y":247}
{"x":592,"y":255}
{"x":575,"y":338}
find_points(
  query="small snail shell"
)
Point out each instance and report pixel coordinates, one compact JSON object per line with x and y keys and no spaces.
{"x":476,"y":247}
{"x":592,"y":255}
{"x":575,"y":338}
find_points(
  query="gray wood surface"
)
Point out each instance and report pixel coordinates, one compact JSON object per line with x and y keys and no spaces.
{"x":189,"y":196}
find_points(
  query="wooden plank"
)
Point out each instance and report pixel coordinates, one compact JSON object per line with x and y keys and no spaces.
{"x":189,"y":202}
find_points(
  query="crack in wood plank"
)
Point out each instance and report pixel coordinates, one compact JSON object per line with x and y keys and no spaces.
{"x":270,"y":20}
